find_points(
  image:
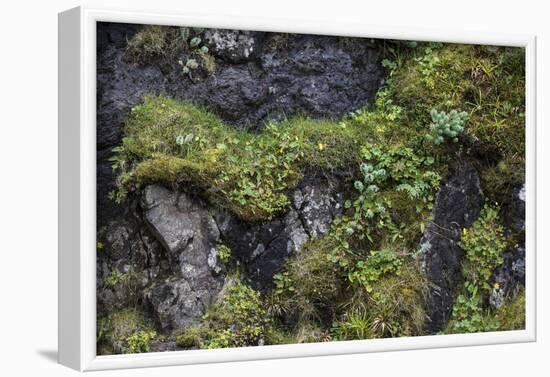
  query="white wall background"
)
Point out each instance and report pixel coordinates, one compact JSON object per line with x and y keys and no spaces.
{"x":28,"y":188}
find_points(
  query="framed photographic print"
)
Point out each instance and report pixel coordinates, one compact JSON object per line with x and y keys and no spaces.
{"x":237,"y":189}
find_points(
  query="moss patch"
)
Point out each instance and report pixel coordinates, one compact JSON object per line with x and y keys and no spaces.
{"x":172,"y":142}
{"x":124,"y":331}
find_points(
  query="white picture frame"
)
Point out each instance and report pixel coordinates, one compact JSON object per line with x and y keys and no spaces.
{"x":77,"y":191}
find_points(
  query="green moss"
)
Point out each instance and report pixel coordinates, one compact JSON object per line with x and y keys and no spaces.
{"x":312,"y":285}
{"x":512,"y":314}
{"x":190,"y":337}
{"x":124,"y":331}
{"x":395,"y":305}
{"x":171,"y":142}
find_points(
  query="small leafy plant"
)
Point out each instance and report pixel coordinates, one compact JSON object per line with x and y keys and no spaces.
{"x":427,"y":64}
{"x":139,"y":341}
{"x":378,"y":263}
{"x":446,"y":126}
{"x":115,"y":277}
{"x":484,"y":243}
{"x":224,"y":253}
{"x":283,"y":283}
{"x":354,"y":325}
{"x":468,"y":315}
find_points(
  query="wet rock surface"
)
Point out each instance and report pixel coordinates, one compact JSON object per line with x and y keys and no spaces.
{"x":457,"y":205}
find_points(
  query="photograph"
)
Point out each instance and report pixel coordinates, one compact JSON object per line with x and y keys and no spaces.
{"x":259,"y":188}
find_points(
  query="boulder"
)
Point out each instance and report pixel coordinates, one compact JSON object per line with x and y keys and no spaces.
{"x":457,"y":205}
{"x":189,"y":234}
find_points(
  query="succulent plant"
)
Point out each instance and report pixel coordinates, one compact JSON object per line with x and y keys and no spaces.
{"x":446,"y":126}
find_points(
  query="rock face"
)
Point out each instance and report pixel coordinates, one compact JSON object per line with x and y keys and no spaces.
{"x":160,"y":251}
{"x":263,"y":248}
{"x":171,"y":265}
{"x":127,"y":262}
{"x":119,"y":87}
{"x":511,"y":274}
{"x":259,"y":76}
{"x":189,"y":234}
{"x":314,"y":75}
{"x":457,"y":205}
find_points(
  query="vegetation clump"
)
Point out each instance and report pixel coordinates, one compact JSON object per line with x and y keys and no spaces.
{"x":173,"y":143}
{"x":484,"y":243}
{"x":124,"y":331}
{"x":237,"y":319}
{"x":139,"y":341}
{"x":379,"y":263}
{"x":168,"y":46}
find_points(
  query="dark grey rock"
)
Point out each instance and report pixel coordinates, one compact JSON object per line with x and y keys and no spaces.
{"x":234,"y":46}
{"x":189,"y":234}
{"x":119,"y":87}
{"x":457,"y":205}
{"x":263,"y":248}
{"x":514,"y":212}
{"x":129,"y":251}
{"x":511,"y":274}
{"x":178,"y":301}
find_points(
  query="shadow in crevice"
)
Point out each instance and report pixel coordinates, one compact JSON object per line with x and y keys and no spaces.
{"x":50,"y":355}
